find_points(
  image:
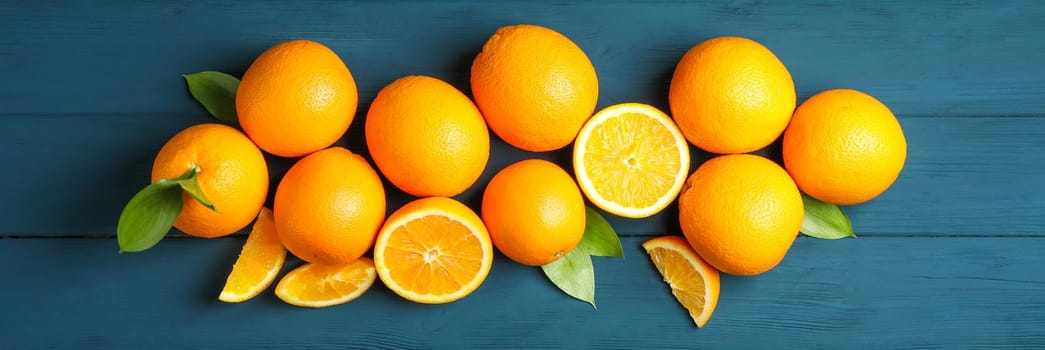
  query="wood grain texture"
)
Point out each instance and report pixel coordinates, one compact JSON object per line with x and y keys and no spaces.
{"x":91,"y":93}
{"x":945,"y":58}
{"x":912,"y":293}
{"x":964,"y":176}
{"x":949,"y":257}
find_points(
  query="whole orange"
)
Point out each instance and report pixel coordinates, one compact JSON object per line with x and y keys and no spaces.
{"x":844,"y":147}
{"x":534,"y":212}
{"x":427,"y":137}
{"x":535,"y":87}
{"x":731,"y":95}
{"x":329,"y":207}
{"x":296,"y":98}
{"x":233,"y":176}
{"x":741,"y":213}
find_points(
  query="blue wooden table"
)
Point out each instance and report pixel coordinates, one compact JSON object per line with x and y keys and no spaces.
{"x":950,"y":257}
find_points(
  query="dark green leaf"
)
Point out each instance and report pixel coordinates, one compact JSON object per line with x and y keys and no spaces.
{"x":574,"y":275}
{"x":192,"y":187}
{"x":599,"y":238}
{"x":824,"y":220}
{"x":188,"y":174}
{"x":151,"y":213}
{"x":149,"y":216}
{"x":216,"y":91}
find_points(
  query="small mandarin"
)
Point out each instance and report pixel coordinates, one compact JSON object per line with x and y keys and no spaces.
{"x":297,"y":97}
{"x":233,"y":176}
{"x":844,"y":147}
{"x":741,"y":213}
{"x":731,"y":95}
{"x":427,"y":137}
{"x":534,"y":211}
{"x":534,"y":86}
{"x":329,"y":207}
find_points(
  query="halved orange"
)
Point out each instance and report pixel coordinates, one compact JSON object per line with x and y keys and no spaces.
{"x":433,"y":250}
{"x":631,"y":160}
{"x":693,"y":281}
{"x":316,"y":286}
{"x":258,"y":264}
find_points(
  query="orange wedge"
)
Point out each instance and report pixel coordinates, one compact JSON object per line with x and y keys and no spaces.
{"x":433,"y":250}
{"x":258,"y":264}
{"x":316,"y":286}
{"x":693,"y":281}
{"x":631,"y":160}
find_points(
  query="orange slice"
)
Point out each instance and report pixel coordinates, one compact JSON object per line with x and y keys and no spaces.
{"x":693,"y":281}
{"x":433,"y":250}
{"x":631,"y":160}
{"x":258,"y":264}
{"x":316,"y":286}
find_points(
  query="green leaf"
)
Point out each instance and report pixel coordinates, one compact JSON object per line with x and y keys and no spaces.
{"x":216,"y":91}
{"x":599,"y":238}
{"x":151,"y":212}
{"x":824,"y":220}
{"x":192,"y":187}
{"x":574,"y":275}
{"x":149,"y":216}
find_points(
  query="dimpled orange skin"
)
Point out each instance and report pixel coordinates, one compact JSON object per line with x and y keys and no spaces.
{"x":535,"y":87}
{"x":427,"y":137}
{"x":329,"y":207}
{"x":534,"y":212}
{"x":296,"y":98}
{"x":233,"y":176}
{"x":731,"y":95}
{"x":844,"y":147}
{"x":741,"y":213}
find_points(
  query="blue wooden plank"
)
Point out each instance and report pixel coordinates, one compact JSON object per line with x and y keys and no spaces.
{"x":71,"y":175}
{"x":92,"y":90}
{"x":925,"y":58}
{"x":877,"y":292}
